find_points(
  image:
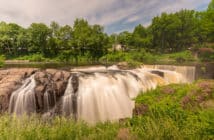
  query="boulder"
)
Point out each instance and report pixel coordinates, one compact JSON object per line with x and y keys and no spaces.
{"x":52,"y":83}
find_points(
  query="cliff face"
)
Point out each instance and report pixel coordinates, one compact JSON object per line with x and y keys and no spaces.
{"x":10,"y":80}
{"x":50,"y":82}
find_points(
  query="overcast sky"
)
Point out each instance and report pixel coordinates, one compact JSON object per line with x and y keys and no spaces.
{"x":114,"y":15}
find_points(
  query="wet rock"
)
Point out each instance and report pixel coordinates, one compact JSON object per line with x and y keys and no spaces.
{"x":50,"y":86}
{"x":58,"y":76}
{"x":159,"y":73}
{"x":10,"y":80}
{"x":52,"y":82}
{"x":75,"y":83}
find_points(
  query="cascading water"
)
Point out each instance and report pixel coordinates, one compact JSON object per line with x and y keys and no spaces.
{"x":49,"y":100}
{"x":188,"y":72}
{"x":23,"y":100}
{"x":95,"y":95}
{"x":69,"y":103}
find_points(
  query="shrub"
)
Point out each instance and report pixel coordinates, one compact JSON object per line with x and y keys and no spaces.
{"x":182,"y":56}
{"x":37,"y":58}
{"x":65,"y":56}
{"x":206,"y":54}
{"x":2,"y":58}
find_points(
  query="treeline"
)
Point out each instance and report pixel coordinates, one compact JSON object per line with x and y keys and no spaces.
{"x":173,"y":32}
{"x":167,"y":33}
{"x":81,"y":39}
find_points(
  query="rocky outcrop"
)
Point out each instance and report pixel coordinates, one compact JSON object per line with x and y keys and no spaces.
{"x":10,"y":80}
{"x":50,"y":86}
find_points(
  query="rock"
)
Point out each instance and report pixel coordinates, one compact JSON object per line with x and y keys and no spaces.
{"x":124,"y":134}
{"x":75,"y":83}
{"x":52,"y":83}
{"x":10,"y":80}
{"x":159,"y":73}
{"x":200,"y":96}
{"x":123,"y":65}
{"x":140,"y":109}
{"x":58,"y":76}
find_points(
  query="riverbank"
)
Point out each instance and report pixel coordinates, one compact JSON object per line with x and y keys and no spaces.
{"x":177,"y":111}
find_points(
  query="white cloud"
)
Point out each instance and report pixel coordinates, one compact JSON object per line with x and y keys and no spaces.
{"x":104,"y":12}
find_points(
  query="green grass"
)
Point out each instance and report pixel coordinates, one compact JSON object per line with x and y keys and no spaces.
{"x":168,"y":117}
{"x":2,"y":58}
{"x":177,"y":57}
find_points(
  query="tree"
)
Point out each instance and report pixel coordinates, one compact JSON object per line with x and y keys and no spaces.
{"x":141,"y":37}
{"x":211,"y":6}
{"x":174,"y":32}
{"x":97,"y":42}
{"x":208,"y":22}
{"x":125,"y":38}
{"x":81,"y":34}
{"x":9,"y":38}
{"x":39,"y":34}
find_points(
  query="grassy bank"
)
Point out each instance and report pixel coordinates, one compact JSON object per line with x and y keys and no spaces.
{"x":182,"y":111}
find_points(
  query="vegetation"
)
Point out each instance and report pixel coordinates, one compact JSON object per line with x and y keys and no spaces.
{"x":168,"y":33}
{"x":2,"y":58}
{"x":176,"y":111}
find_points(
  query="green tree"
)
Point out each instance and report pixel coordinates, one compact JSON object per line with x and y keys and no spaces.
{"x":174,"y":32}
{"x":81,"y":34}
{"x":9,"y":38}
{"x":208,"y":22}
{"x":97,"y":42}
{"x":39,"y":34}
{"x":141,"y":37}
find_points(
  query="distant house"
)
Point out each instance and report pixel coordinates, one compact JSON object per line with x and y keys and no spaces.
{"x":118,"y":47}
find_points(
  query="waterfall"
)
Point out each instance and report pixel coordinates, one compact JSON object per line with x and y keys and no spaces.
{"x":23,"y":100}
{"x":188,"y":72}
{"x":49,"y":100}
{"x":109,"y":95}
{"x":69,"y":103}
{"x":94,"y":95}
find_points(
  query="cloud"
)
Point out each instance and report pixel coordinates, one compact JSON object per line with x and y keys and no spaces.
{"x":114,"y":15}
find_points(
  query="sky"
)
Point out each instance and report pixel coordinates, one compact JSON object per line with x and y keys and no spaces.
{"x":115,"y":15}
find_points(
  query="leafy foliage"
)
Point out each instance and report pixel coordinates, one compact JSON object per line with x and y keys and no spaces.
{"x":168,"y":33}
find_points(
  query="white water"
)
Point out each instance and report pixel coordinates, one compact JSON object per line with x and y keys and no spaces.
{"x":23,"y":100}
{"x":188,"y":72}
{"x":67,"y":104}
{"x":108,"y":96}
{"x":49,"y":100}
{"x":104,"y":95}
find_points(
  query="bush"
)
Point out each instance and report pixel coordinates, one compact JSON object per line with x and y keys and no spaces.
{"x":33,"y":58}
{"x":65,"y":56}
{"x":132,"y":56}
{"x":2,"y":58}
{"x":37,"y":58}
{"x":182,"y":56}
{"x":206,"y":54}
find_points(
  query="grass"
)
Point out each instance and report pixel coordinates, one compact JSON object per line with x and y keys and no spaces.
{"x":2,"y":58}
{"x":133,"y":58}
{"x":168,"y":116}
{"x":176,"y":57}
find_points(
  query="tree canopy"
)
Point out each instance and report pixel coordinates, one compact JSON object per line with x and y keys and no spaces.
{"x":168,"y":32}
